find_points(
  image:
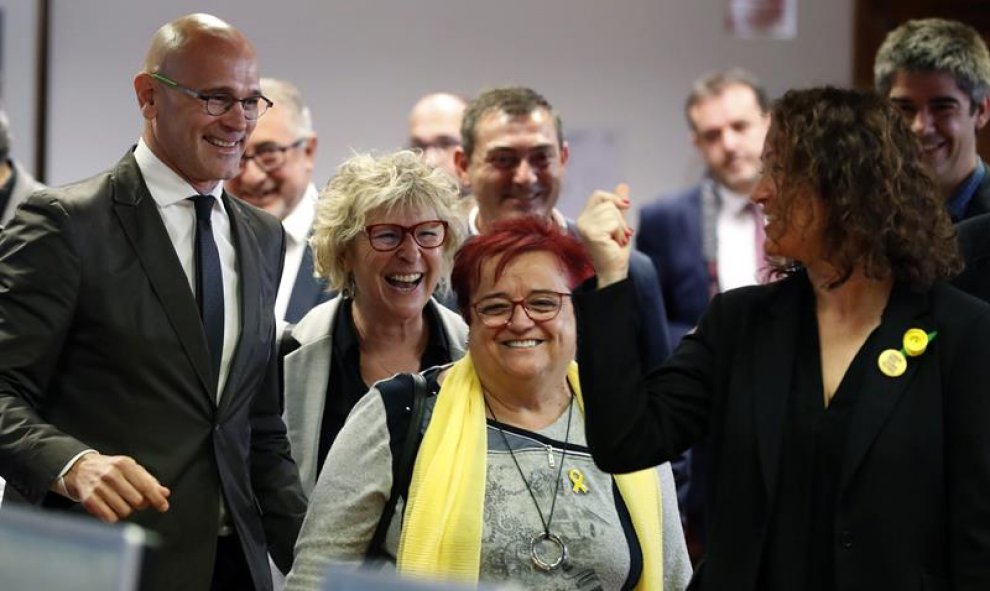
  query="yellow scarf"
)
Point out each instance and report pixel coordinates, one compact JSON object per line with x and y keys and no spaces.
{"x":441,"y":532}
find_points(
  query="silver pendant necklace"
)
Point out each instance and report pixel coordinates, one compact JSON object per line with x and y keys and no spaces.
{"x":546,"y":559}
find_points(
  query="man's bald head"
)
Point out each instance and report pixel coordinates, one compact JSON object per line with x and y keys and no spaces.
{"x":190,"y":60}
{"x":172,"y":38}
{"x":435,"y":128}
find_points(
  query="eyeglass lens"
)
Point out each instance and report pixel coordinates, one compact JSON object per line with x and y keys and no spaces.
{"x":539,"y":306}
{"x":429,"y":234}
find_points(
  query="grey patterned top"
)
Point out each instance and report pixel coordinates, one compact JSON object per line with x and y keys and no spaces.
{"x":603,"y":551}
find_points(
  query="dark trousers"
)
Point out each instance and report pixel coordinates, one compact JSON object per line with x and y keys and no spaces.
{"x":230,"y":569}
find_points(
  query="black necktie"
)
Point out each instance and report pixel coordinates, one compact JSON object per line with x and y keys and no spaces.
{"x":209,"y":282}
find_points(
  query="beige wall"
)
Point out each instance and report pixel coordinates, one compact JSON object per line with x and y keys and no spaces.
{"x":620,"y":67}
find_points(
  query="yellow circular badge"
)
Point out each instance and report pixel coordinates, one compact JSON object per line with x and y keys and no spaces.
{"x":915,"y":342}
{"x":892,"y":363}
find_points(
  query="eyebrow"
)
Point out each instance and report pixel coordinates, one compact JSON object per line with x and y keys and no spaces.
{"x":903,"y":100}
{"x":537,"y":148}
{"x":254,"y":93}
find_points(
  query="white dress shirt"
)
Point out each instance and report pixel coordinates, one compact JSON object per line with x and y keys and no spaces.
{"x":298,"y":224}
{"x":171,"y":193}
{"x":736,"y":228}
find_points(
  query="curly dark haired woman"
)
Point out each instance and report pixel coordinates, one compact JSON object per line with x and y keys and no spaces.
{"x":846,"y":404}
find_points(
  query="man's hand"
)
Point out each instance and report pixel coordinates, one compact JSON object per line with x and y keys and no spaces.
{"x":113,"y":487}
{"x":606,"y":236}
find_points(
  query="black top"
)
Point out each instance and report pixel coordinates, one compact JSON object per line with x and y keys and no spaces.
{"x":346,"y":385}
{"x":802,"y":539}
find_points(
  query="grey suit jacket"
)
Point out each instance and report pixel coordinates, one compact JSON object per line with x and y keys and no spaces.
{"x":307,"y":373}
{"x":102,"y":347}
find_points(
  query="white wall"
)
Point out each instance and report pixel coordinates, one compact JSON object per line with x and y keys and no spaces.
{"x":621,"y":67}
{"x":18,"y":83}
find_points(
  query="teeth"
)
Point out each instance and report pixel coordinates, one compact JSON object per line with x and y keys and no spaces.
{"x":221,"y":143}
{"x":526,"y":344}
{"x":405,"y":277}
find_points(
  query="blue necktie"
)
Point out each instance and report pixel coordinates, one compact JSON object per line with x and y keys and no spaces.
{"x":209,"y":282}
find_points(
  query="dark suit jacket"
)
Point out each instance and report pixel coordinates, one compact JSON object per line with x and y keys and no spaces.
{"x":670,"y":234}
{"x":974,"y":244}
{"x":914,"y":493}
{"x":307,"y":291}
{"x":102,"y":347}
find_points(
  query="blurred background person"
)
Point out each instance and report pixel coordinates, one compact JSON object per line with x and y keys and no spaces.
{"x":503,"y":488}
{"x":15,"y":185}
{"x":709,"y":238}
{"x":384,"y":237}
{"x":435,"y":129}
{"x":276,"y":175}
{"x":937,"y":72}
{"x":15,"y":182}
{"x":846,"y":403}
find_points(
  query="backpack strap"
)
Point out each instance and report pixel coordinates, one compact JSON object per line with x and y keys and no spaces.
{"x":404,"y":397}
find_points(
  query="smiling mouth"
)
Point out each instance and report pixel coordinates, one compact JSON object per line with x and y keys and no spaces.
{"x":522,"y":344}
{"x":221,"y":143}
{"x":404,"y":280}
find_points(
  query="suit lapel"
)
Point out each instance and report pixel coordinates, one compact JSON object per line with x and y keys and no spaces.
{"x":249,"y":263}
{"x":305,"y":292}
{"x":142,"y":224}
{"x":773,"y":366}
{"x":880,"y":393}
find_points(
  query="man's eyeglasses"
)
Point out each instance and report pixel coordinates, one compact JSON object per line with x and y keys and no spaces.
{"x":269,"y":156}
{"x":219,"y":103}
{"x":539,"y":306}
{"x":386,"y":237}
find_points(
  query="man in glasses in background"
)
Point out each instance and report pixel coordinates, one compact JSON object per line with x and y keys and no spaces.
{"x":276,"y":175}
{"x":137,"y":359}
{"x":435,"y":129}
{"x":512,"y":158}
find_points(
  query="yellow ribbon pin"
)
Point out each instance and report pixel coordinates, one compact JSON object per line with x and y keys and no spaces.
{"x":577,"y":478}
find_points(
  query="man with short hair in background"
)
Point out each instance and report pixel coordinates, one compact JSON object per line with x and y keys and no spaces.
{"x":435,"y":129}
{"x":276,"y":175}
{"x":513,"y":158}
{"x":708,"y":238}
{"x":937,"y":72}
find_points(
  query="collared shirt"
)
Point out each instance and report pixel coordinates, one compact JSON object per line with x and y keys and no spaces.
{"x":960,"y":199}
{"x":735,"y":228}
{"x":171,"y":193}
{"x":297,"y":225}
